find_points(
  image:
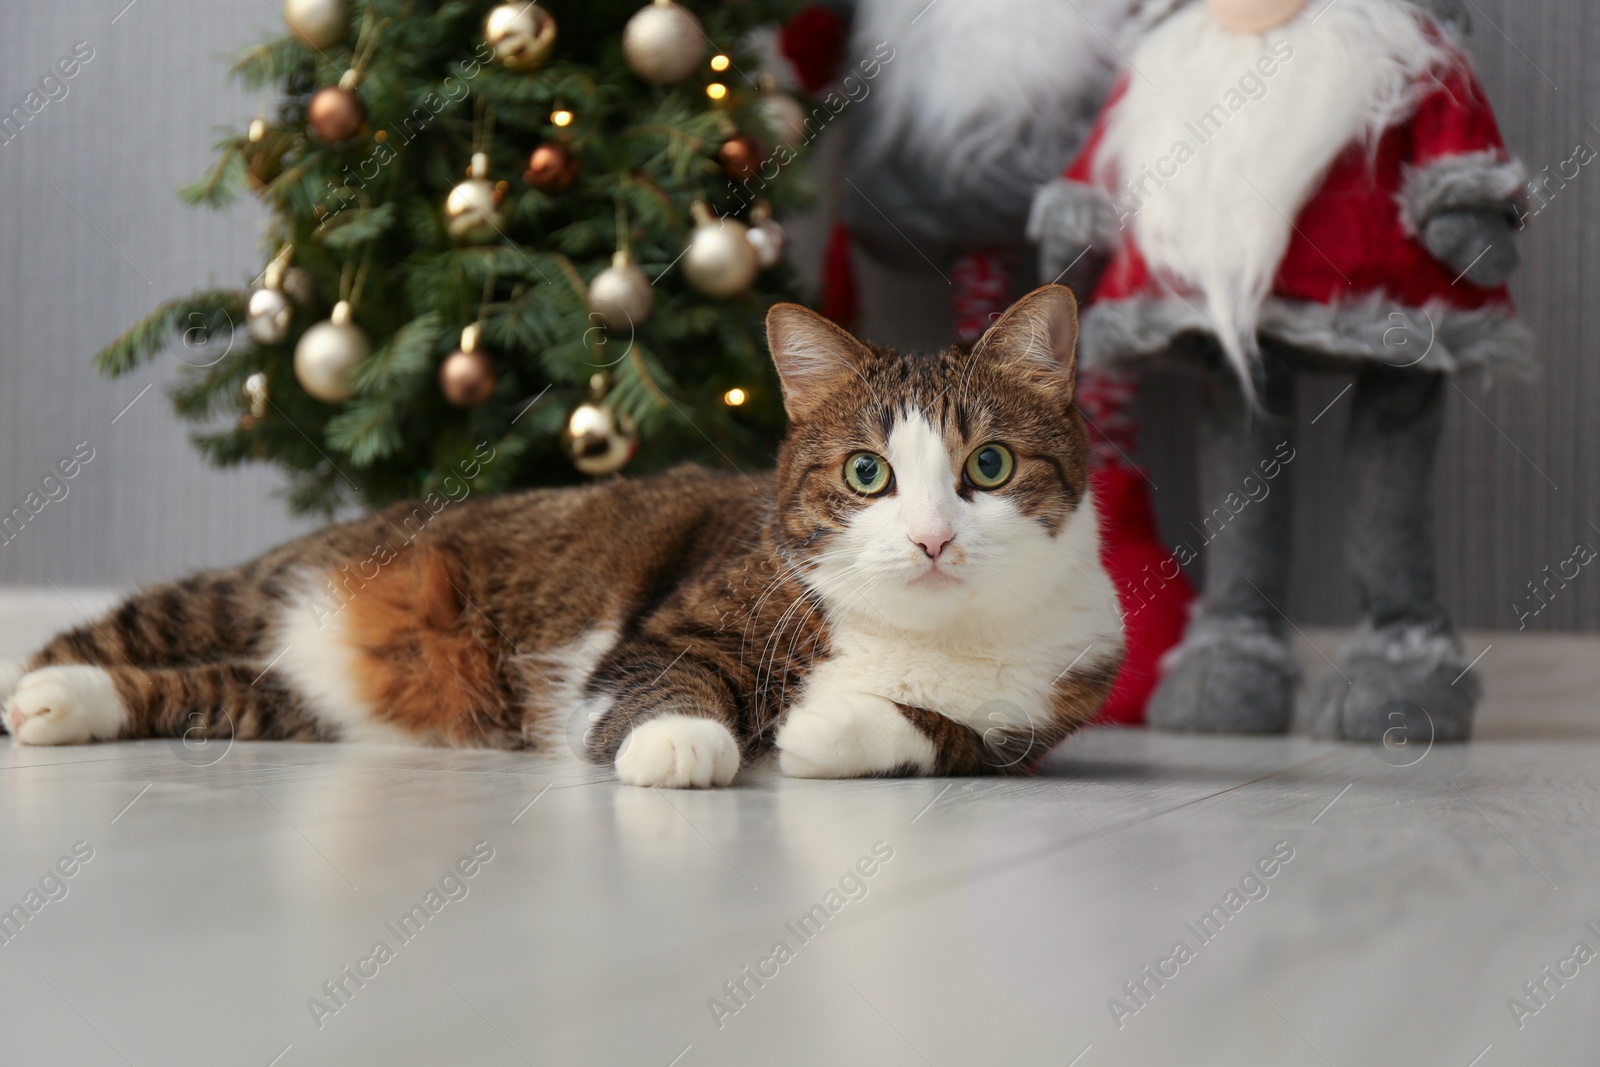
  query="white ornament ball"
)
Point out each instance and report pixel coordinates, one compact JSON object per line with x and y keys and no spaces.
{"x":521,"y":34}
{"x":767,"y":239}
{"x":267,"y":316}
{"x":318,"y":23}
{"x":328,"y":354}
{"x":721,"y":261}
{"x":663,"y":43}
{"x":621,"y":296}
{"x":472,"y":211}
{"x":785,"y":115}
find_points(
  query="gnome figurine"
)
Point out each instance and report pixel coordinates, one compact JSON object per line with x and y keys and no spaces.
{"x":1276,"y":188}
{"x":981,"y":103}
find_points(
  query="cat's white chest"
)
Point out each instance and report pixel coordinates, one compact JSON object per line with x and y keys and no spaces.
{"x":1001,"y":658}
{"x":977,"y":681}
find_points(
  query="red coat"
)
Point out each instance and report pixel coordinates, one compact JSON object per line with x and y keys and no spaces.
{"x":1355,"y":258}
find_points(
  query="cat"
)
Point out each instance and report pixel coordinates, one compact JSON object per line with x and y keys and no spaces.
{"x":915,"y":590}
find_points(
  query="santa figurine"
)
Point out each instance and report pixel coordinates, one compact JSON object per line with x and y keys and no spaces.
{"x":1278,"y":188}
{"x":979,"y":103}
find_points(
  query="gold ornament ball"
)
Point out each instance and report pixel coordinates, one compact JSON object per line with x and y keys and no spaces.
{"x":267,"y":316}
{"x":601,"y":440}
{"x":335,"y":114}
{"x":621,"y":296}
{"x":318,"y":23}
{"x":328,"y":354}
{"x":255,"y":390}
{"x":741,"y":157}
{"x":467,"y":379}
{"x":472,"y":211}
{"x":785,"y":115}
{"x":720,"y":262}
{"x":521,"y":34}
{"x":663,"y":43}
{"x":552,"y":168}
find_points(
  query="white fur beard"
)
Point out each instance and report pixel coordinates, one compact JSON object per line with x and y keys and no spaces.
{"x":979,"y":86}
{"x":1221,"y":223}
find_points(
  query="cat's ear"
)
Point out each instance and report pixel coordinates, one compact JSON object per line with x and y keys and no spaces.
{"x":811,"y":354}
{"x":1039,"y":334}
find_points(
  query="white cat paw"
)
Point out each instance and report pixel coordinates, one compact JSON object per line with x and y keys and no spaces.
{"x":65,"y":706}
{"x":850,"y":735}
{"x":678,"y":752}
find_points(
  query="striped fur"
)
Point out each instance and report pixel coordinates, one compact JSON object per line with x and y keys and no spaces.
{"x":698,"y":601}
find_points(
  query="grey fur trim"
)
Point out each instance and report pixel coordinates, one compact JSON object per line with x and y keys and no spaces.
{"x":1475,"y":181}
{"x":1072,"y":214}
{"x":1425,"y":646}
{"x":1435,"y":338}
{"x":1246,"y":636}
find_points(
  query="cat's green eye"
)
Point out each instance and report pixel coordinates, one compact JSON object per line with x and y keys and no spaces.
{"x":867,"y":473}
{"x":990,"y":466}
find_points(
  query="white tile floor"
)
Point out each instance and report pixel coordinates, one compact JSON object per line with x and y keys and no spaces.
{"x":227,"y":885}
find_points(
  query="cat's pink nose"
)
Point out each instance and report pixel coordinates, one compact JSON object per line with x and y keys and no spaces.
{"x":933,"y":543}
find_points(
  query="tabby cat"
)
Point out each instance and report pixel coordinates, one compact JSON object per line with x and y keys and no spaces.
{"x":916,"y":589}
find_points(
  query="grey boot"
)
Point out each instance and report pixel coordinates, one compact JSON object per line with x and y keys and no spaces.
{"x":1233,"y":673}
{"x":1404,"y":674}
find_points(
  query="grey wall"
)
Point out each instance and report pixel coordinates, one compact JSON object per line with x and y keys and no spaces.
{"x":92,"y":237}
{"x":84,"y":258}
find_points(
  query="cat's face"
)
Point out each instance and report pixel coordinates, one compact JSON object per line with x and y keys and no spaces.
{"x":918,"y":486}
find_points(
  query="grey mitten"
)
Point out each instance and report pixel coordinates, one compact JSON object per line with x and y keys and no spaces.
{"x":1077,"y":230}
{"x":1476,"y":243}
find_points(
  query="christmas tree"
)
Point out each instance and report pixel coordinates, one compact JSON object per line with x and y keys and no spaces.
{"x":539,"y":234}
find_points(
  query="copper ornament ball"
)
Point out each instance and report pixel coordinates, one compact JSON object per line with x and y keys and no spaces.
{"x":552,"y":168}
{"x":335,"y":114}
{"x":467,"y":379}
{"x":741,"y":157}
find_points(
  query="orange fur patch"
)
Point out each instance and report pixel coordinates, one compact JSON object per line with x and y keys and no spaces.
{"x":416,"y":659}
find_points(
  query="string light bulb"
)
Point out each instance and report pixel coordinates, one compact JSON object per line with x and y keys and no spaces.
{"x":716,"y":90}
{"x":561,"y":117}
{"x":720,"y":62}
{"x":734,"y":397}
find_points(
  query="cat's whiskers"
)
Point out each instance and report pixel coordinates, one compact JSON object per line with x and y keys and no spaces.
{"x":818,"y":597}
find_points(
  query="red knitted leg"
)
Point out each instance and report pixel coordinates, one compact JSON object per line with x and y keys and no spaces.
{"x":982,"y":282}
{"x":1106,"y":400}
{"x":1155,"y":594}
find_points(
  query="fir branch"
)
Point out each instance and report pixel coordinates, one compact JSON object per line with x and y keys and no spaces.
{"x":366,"y":431}
{"x":199,"y":317}
{"x":221,"y":184}
{"x":271,"y":62}
{"x":406,"y":357}
{"x":344,"y":230}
